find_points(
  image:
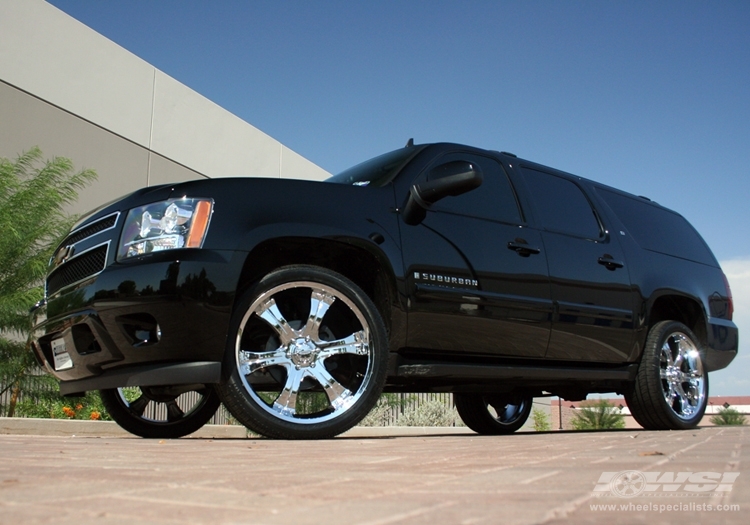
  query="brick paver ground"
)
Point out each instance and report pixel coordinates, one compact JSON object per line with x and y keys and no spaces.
{"x":376,"y":479}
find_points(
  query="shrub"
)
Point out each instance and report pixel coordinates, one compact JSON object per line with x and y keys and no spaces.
{"x":382,"y":413}
{"x":52,"y":405}
{"x":728,"y":416}
{"x":597,"y":415}
{"x":541,"y":420}
{"x":431,"y":413}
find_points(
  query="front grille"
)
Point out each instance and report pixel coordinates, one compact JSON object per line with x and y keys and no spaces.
{"x":92,"y":229}
{"x":77,"y":269}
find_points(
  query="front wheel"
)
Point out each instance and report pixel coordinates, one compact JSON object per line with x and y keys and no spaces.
{"x":671,"y":388}
{"x":306,"y":356}
{"x":164,"y":412}
{"x":493,"y":413}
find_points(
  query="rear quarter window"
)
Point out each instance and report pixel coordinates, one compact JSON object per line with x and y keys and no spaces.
{"x":658,"y":229}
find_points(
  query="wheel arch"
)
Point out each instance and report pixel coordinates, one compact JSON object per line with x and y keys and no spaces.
{"x":678,"y":307}
{"x":368,"y":268}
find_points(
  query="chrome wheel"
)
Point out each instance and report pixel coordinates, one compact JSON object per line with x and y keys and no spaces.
{"x":681,"y":373}
{"x":670,"y":391}
{"x":308,"y":355}
{"x":299,"y":352}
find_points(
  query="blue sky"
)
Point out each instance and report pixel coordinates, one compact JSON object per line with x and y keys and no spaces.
{"x":649,"y":97}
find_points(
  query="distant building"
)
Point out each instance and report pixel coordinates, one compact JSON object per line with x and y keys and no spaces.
{"x":76,"y":94}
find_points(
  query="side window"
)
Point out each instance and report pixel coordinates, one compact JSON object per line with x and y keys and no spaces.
{"x":561,"y":206}
{"x":658,"y":229}
{"x":494,"y":199}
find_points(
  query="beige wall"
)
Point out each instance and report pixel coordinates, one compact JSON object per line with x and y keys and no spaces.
{"x":76,"y":94}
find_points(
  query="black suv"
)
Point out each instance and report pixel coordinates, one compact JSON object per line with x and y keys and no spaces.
{"x":432,"y":268}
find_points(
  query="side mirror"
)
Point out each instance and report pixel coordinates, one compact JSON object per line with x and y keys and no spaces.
{"x":446,"y":180}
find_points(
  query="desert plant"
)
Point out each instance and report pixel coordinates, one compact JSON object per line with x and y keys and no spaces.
{"x":728,"y":416}
{"x":33,"y":197}
{"x":541,"y":420}
{"x":432,"y":413}
{"x":382,"y":413}
{"x":597,"y":415}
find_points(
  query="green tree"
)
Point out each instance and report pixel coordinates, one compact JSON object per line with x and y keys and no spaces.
{"x":33,"y":197}
{"x":728,"y":416}
{"x":597,"y":415}
{"x":541,"y":420}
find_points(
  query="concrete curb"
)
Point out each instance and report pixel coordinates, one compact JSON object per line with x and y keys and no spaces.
{"x":77,"y":427}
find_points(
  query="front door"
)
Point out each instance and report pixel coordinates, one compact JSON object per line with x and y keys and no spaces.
{"x":476,"y":274}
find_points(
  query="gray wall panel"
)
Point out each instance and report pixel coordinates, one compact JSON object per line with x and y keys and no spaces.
{"x":164,"y":171}
{"x":26,"y":121}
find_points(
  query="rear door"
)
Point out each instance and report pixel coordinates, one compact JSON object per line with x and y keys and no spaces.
{"x":476,"y":274}
{"x":590,"y":283}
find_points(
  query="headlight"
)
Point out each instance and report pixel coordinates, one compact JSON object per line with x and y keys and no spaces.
{"x":176,"y":223}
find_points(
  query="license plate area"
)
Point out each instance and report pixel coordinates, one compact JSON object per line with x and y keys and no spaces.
{"x":61,"y":355}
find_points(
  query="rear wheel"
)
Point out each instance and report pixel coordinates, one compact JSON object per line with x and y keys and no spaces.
{"x":671,"y":388}
{"x":493,"y":414}
{"x":307,"y":355}
{"x":164,"y":412}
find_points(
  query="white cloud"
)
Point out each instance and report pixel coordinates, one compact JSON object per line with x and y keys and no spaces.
{"x":735,"y":379}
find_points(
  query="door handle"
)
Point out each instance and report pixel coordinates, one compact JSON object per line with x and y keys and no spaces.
{"x":524,"y":250}
{"x":609,"y":263}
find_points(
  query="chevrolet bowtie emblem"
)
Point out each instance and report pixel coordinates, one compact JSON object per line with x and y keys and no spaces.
{"x":64,"y":254}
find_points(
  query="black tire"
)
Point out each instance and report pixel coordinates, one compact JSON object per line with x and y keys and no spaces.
{"x":493,"y":414}
{"x":306,"y":355}
{"x":671,"y":388}
{"x":161,"y":412}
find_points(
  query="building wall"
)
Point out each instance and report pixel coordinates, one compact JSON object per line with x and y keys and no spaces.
{"x":74,"y":93}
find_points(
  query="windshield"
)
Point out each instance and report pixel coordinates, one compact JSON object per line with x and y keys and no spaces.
{"x":377,"y":171}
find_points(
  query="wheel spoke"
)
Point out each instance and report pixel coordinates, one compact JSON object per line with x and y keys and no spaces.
{"x":320,"y":302}
{"x":338,"y":395}
{"x":666,"y":352}
{"x":684,"y":401}
{"x":680,"y":359}
{"x":139,"y":405}
{"x":174,"y":412}
{"x":250,"y":362}
{"x":269,"y":312}
{"x":353,"y":344}
{"x":286,"y":403}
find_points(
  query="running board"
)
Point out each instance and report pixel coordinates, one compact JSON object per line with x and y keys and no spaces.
{"x":462,"y":372}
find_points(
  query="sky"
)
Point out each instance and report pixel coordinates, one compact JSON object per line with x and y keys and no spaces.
{"x":650,"y":97}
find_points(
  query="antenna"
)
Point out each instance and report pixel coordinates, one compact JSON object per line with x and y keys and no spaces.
{"x":409,"y":143}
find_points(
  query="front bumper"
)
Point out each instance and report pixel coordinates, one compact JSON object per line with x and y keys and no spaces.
{"x":158,"y":320}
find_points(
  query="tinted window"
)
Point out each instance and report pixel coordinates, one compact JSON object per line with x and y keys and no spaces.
{"x":658,"y":229}
{"x":561,"y":206}
{"x":494,"y":199}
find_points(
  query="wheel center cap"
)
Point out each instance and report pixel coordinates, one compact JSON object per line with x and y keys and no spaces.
{"x":673,"y":374}
{"x":303,"y":352}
